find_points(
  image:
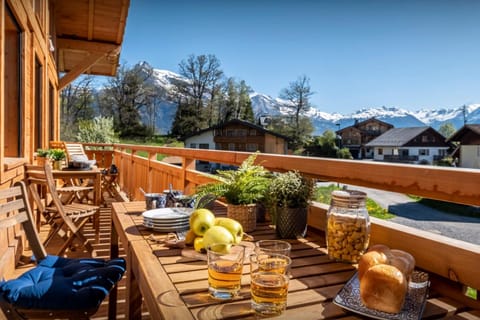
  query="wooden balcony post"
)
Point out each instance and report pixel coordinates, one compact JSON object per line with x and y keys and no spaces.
{"x":187,"y":164}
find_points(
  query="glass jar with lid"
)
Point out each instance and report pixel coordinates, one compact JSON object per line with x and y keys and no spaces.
{"x":348,"y":226}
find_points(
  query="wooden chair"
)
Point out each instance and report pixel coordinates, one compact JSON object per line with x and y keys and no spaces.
{"x":66,"y":220}
{"x":56,"y":287}
{"x":72,"y":190}
{"x":74,"y":149}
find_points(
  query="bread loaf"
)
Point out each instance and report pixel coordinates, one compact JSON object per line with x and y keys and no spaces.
{"x":370,"y":259}
{"x":383,"y":274}
{"x":410,"y":261}
{"x":383,"y":288}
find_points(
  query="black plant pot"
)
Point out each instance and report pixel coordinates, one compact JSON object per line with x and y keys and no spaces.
{"x":291,"y":222}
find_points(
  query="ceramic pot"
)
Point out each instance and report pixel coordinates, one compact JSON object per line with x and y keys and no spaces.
{"x":291,"y":223}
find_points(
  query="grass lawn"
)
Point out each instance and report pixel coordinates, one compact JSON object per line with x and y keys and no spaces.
{"x":159,"y":142}
{"x":322,"y":194}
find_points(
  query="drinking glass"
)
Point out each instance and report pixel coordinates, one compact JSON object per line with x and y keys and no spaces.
{"x":269,"y":292}
{"x":273,"y":246}
{"x":271,"y":262}
{"x":225,"y":270}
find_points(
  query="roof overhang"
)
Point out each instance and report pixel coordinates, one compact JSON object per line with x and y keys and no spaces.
{"x":89,"y":36}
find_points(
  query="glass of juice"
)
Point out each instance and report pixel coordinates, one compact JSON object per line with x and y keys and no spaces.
{"x":273,"y":246}
{"x":225,"y":265}
{"x":269,"y":292}
{"x":272,"y":262}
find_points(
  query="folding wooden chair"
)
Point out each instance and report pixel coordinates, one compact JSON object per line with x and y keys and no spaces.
{"x":78,"y":190}
{"x":66,"y":220}
{"x":74,"y":150}
{"x":56,"y":287}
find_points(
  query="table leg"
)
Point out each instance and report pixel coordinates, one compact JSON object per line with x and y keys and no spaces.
{"x":98,"y":189}
{"x":134,"y":297}
{"x":114,"y":251}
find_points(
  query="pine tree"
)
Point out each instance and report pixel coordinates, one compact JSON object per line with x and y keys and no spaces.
{"x":186,"y":120}
{"x":244,"y":103}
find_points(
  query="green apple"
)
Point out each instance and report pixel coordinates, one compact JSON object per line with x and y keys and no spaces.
{"x":220,"y":235}
{"x":201,"y":220}
{"x":231,"y":225}
{"x":198,"y":244}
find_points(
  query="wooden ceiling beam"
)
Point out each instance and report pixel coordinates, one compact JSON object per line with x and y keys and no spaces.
{"x":89,"y":46}
{"x":91,"y":11}
{"x":79,"y":69}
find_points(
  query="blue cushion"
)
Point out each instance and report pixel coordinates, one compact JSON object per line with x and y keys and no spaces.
{"x":58,"y":283}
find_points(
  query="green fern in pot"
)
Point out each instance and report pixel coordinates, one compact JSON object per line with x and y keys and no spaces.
{"x":241,"y":189}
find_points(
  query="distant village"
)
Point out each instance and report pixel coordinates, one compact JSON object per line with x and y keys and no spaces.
{"x":370,"y":139}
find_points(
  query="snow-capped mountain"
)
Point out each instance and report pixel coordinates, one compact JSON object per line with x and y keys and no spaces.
{"x":267,"y":105}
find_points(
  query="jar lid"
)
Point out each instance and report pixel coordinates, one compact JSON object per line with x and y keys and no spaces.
{"x":351,"y":194}
{"x":348,"y":198}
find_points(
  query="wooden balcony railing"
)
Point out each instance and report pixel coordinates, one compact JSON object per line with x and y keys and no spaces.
{"x":453,"y":263}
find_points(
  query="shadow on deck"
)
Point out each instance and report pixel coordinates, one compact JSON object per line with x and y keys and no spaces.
{"x":102,"y":249}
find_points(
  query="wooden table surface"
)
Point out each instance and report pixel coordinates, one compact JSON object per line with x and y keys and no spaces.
{"x":175,"y":287}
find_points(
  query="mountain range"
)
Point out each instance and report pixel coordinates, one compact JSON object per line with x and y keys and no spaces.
{"x":264,"y":105}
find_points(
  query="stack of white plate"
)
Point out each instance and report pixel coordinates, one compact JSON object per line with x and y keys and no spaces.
{"x":167,"y":219}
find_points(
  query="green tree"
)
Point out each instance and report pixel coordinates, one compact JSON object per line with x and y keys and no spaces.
{"x":76,"y":104}
{"x":447,"y":129}
{"x":326,"y":146}
{"x":97,"y":130}
{"x":237,"y":103}
{"x":203,"y":76}
{"x":125,"y":95}
{"x":245,"y":103}
{"x":229,"y":109}
{"x":298,"y":94}
{"x":185,"y":121}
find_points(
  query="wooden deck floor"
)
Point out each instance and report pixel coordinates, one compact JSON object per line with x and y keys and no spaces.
{"x":102,"y":248}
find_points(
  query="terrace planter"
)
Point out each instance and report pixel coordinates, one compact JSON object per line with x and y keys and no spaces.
{"x":246,"y":214}
{"x":291,"y":223}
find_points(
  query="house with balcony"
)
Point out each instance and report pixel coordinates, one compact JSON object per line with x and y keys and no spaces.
{"x":237,"y":135}
{"x":418,"y":145}
{"x":467,"y":140}
{"x":356,"y":136}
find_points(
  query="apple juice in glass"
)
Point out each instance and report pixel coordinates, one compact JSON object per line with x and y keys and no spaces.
{"x":269,"y":292}
{"x":225,"y":265}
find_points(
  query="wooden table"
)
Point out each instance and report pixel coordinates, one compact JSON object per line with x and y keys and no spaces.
{"x":175,"y":287}
{"x":94,"y":174}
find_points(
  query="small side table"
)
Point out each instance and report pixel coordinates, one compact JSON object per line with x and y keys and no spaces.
{"x":109,"y":185}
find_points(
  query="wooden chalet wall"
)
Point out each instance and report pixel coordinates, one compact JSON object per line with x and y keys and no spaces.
{"x":28,"y":91}
{"x":28,"y":84}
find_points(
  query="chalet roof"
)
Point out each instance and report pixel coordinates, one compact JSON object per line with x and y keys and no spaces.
{"x":458,"y":136}
{"x":89,"y":35}
{"x":241,"y":122}
{"x":397,"y":137}
{"x":360,"y":123}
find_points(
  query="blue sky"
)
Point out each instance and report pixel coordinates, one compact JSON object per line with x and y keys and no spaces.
{"x":411,"y":54}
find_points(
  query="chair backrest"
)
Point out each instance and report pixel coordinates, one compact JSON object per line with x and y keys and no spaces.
{"x":74,"y":149}
{"x":15,"y":209}
{"x":35,"y":181}
{"x":38,"y":176}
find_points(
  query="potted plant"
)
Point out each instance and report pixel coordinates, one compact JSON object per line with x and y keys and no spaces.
{"x":41,"y":156}
{"x":241,"y":189}
{"x":288,"y":197}
{"x":57,"y":156}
